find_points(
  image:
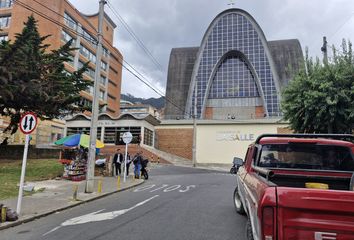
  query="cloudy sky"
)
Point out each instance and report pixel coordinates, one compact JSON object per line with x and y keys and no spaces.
{"x":164,"y":24}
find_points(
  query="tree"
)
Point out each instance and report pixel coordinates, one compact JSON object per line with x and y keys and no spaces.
{"x":320,"y":99}
{"x":32,"y":78}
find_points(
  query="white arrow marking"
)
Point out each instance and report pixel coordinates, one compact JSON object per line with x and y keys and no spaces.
{"x":95,"y":217}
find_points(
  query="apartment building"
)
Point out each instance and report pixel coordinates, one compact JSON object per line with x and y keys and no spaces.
{"x":60,"y":20}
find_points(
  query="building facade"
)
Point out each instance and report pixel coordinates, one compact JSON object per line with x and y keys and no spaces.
{"x":60,"y":20}
{"x":235,"y":72}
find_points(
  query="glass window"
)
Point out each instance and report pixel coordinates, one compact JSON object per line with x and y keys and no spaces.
{"x":102,"y":93}
{"x":89,"y":38}
{"x":307,"y":156}
{"x":66,"y":37}
{"x":5,"y":21}
{"x":4,"y":38}
{"x":6,"y":3}
{"x":69,"y":21}
{"x":87,"y":54}
{"x":103,"y":80}
{"x":148,"y":137}
{"x":103,"y":66}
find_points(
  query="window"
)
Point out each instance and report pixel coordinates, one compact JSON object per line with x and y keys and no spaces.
{"x":5,"y":21}
{"x":105,"y":52}
{"x":115,"y":134}
{"x":66,"y":37}
{"x":103,"y":80}
{"x":102,"y":93}
{"x":6,"y":3}
{"x":87,"y":54}
{"x":307,"y":156}
{"x":89,"y":38}
{"x":69,"y":21}
{"x":4,"y":38}
{"x":148,"y":137}
{"x":89,"y":71}
{"x":103,"y":66}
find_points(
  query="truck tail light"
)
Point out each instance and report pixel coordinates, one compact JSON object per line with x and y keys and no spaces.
{"x":268,"y":223}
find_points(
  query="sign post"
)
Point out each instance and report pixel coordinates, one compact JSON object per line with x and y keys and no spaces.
{"x":28,"y":123}
{"x":127,"y":138}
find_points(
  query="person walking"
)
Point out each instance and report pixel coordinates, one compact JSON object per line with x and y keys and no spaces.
{"x":129,"y":161}
{"x":137,"y":164}
{"x":117,"y":161}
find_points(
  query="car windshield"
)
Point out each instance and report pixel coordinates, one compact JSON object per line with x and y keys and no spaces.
{"x":307,"y":156}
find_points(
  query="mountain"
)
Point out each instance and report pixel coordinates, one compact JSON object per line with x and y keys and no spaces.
{"x":155,"y":102}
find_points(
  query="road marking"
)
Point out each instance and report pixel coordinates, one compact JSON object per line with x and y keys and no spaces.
{"x":140,"y":189}
{"x":163,"y":186}
{"x":172,"y":188}
{"x":97,"y":216}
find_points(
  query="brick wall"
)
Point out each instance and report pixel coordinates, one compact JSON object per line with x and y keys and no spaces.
{"x":175,"y":141}
{"x":110,"y":150}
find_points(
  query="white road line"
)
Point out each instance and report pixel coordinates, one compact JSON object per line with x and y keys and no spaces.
{"x":97,"y":216}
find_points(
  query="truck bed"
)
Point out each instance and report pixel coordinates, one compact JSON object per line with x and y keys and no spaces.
{"x":335,"y":182}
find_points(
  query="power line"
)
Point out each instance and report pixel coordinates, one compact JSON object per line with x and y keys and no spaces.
{"x":137,"y":39}
{"x":95,"y":43}
{"x":26,"y":6}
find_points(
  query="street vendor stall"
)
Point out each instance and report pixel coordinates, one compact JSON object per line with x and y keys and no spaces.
{"x":74,"y":155}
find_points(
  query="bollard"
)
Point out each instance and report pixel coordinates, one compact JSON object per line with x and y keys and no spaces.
{"x":3,"y":214}
{"x":118,"y":182}
{"x":75,"y":188}
{"x":99,"y":190}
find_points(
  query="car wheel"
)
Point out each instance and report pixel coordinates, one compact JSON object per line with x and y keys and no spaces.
{"x":249,"y":233}
{"x":238,"y":203}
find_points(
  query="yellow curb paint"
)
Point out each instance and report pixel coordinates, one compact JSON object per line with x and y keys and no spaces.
{"x":99,"y":190}
{"x":118,"y":182}
{"x":3,"y":214}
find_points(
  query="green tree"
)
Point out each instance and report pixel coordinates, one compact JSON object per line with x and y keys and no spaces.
{"x":320,"y":99}
{"x":32,"y":78}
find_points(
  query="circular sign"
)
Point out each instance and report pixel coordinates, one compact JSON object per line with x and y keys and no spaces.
{"x":28,"y":123}
{"x":127,"y":137}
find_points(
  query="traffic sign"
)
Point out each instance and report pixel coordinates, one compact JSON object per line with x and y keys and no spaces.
{"x":28,"y":123}
{"x":127,"y":137}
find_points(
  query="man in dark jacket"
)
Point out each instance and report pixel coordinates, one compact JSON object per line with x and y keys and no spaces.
{"x":117,"y":161}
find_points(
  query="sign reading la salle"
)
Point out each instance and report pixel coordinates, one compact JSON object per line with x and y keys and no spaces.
{"x":234,"y":136}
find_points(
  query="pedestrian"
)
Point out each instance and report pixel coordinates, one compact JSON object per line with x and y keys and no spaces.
{"x":117,"y":161}
{"x":129,"y":161}
{"x":137,"y":164}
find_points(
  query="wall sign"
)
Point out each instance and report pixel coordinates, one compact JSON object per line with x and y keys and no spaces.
{"x":234,"y":136}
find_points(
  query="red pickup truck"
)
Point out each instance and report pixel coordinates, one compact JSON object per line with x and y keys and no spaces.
{"x":297,"y":186}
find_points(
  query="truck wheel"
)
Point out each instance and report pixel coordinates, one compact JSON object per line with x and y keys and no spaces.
{"x":249,"y":233}
{"x":238,"y":203}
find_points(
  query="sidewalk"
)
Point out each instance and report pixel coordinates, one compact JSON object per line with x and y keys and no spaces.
{"x":58,"y":195}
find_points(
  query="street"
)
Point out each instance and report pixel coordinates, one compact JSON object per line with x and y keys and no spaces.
{"x":175,"y":203}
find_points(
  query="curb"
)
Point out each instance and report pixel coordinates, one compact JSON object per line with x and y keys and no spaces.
{"x":19,"y":222}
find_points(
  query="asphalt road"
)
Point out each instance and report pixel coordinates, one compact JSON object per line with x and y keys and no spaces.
{"x":175,"y":203}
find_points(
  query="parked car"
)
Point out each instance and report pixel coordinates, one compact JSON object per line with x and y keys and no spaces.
{"x":297,"y":186}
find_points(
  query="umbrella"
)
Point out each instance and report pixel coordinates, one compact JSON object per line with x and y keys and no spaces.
{"x":78,"y":139}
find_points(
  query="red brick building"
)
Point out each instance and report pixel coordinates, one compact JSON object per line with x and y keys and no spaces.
{"x":63,"y":22}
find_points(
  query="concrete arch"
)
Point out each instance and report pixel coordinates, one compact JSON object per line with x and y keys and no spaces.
{"x":240,"y":55}
{"x":263,"y":40}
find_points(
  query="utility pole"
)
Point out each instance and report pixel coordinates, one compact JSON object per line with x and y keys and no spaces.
{"x":195,"y":126}
{"x":94,"y":112}
{"x":324,"y":50}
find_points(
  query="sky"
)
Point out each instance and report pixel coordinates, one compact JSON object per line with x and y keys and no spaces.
{"x":165,"y":24}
